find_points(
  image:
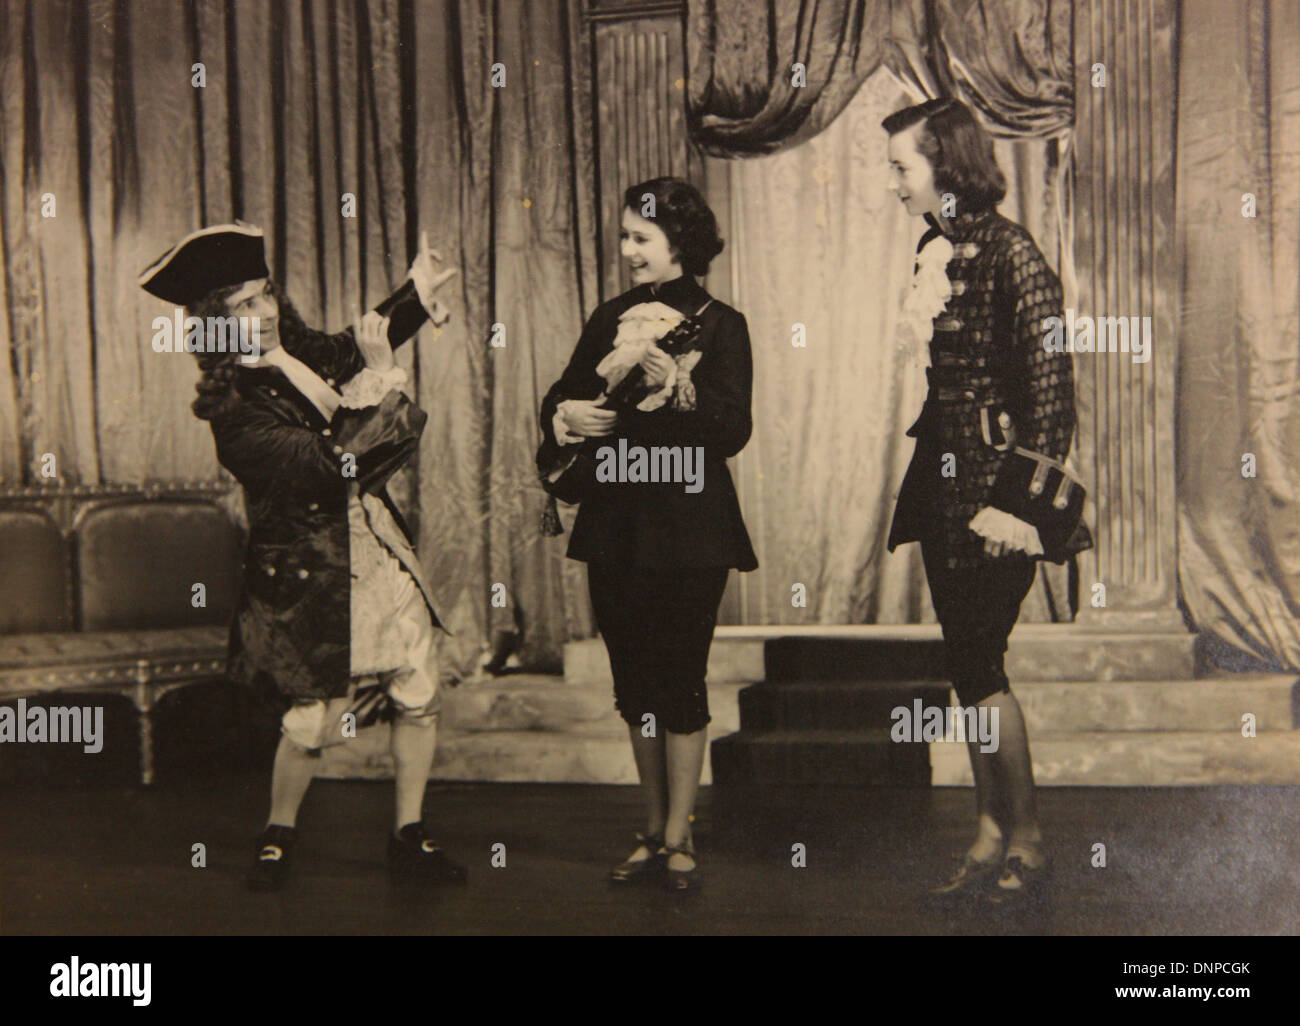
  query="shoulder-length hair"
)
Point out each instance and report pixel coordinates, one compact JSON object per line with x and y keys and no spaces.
{"x":683,"y":215}
{"x":216,"y":384}
{"x":960,"y":152}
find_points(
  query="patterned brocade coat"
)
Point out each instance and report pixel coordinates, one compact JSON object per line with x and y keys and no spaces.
{"x":987,"y":357}
{"x":291,"y":636}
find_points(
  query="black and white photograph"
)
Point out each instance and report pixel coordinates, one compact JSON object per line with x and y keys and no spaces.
{"x":651,"y":468}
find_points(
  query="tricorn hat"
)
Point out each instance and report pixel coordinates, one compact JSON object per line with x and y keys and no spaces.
{"x":208,"y":259}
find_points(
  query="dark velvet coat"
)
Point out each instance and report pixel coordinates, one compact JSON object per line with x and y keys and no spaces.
{"x":291,"y":635}
{"x":661,"y":525}
{"x":987,"y":357}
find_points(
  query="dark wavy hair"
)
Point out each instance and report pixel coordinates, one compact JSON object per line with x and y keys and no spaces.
{"x":682,"y":214}
{"x":216,"y":384}
{"x":960,"y":152}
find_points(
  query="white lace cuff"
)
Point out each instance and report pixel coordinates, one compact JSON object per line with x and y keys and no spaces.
{"x":370,"y":386}
{"x":438,"y":313}
{"x":999,"y":526}
{"x":560,"y":426}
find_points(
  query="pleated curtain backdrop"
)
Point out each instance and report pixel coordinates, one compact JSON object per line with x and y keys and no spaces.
{"x":1010,"y":59}
{"x":1239,"y":381}
{"x":300,"y":104}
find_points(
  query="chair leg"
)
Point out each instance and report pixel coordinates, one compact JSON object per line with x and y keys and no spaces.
{"x":143,"y":699}
{"x":146,"y":748}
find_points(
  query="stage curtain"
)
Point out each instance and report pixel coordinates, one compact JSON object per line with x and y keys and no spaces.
{"x":1011,"y":60}
{"x":744,"y":94}
{"x":384,"y":105}
{"x":1239,"y":380}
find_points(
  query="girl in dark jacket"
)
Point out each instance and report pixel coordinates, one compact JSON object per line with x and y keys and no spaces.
{"x":335,"y":621}
{"x":976,"y":312}
{"x":661,"y":526}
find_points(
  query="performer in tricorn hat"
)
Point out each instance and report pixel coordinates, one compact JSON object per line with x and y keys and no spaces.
{"x":335,"y":621}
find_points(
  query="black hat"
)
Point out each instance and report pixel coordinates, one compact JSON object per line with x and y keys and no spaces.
{"x":208,"y":259}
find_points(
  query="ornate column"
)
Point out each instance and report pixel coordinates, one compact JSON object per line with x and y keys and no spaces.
{"x":1124,"y":251}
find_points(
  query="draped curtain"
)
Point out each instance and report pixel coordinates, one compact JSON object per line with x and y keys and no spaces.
{"x":106,"y":122}
{"x":820,"y":242}
{"x":1010,"y":59}
{"x":1239,"y":385}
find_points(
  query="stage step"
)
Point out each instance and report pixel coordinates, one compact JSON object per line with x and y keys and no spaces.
{"x":842,"y":705}
{"x":524,"y":728}
{"x":1207,"y":704}
{"x":571,"y":757}
{"x":1058,"y":652}
{"x":732,"y":659}
{"x":777,"y":654}
{"x":508,"y":756}
{"x":1143,"y":732}
{"x":848,"y":758}
{"x":1146,"y":758}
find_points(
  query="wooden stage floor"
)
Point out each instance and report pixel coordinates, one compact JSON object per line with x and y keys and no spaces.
{"x":116,"y":859}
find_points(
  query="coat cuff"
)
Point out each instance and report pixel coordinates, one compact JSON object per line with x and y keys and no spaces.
{"x":407,"y":312}
{"x":382,"y":438}
{"x":1040,"y":491}
{"x":370,"y":386}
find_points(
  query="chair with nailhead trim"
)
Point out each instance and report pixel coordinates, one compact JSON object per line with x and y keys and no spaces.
{"x":98,"y":593}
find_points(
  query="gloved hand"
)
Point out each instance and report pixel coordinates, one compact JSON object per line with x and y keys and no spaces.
{"x":428,"y":278}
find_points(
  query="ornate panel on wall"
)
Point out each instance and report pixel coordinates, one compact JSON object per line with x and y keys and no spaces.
{"x":639,"y":86}
{"x":1124,"y":254}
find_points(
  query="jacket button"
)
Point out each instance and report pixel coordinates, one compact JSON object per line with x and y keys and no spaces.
{"x":274,"y":392}
{"x":969,"y":395}
{"x":302,"y":574}
{"x":270,"y":571}
{"x":326,"y":432}
{"x":330,"y":382}
{"x":313,"y":506}
{"x":338,"y":450}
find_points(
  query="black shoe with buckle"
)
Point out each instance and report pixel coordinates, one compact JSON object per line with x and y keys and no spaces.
{"x":270,"y":869}
{"x":638,"y":870}
{"x":1020,"y":884}
{"x":968,"y":880}
{"x":411,"y":855}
